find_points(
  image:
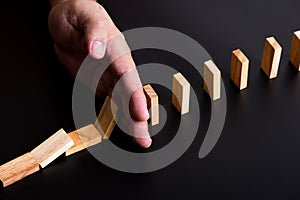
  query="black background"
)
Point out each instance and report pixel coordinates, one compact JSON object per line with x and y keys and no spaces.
{"x":257,"y":156}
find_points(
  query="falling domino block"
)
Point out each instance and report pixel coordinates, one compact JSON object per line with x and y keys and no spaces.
{"x":212,"y":80}
{"x":152,"y":103}
{"x":181,"y":93}
{"x":83,"y":138}
{"x":18,"y":169}
{"x":271,"y":57}
{"x":295,"y":50}
{"x":105,"y":122}
{"x":52,"y":148}
{"x":239,"y":69}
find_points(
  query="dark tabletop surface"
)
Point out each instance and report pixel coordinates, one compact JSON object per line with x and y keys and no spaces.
{"x":258,"y":153}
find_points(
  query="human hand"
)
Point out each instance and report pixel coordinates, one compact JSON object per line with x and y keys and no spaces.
{"x":79,"y":28}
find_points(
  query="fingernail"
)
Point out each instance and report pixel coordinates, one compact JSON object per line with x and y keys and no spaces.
{"x":146,"y":113}
{"x":98,"y":49}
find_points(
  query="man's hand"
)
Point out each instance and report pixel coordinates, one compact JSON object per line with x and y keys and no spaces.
{"x":78,"y":28}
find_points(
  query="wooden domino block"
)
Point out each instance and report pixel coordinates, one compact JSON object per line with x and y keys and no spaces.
{"x":180,"y":93}
{"x":295,"y":50}
{"x":239,"y":69}
{"x":105,"y":122}
{"x":212,"y":80}
{"x":52,"y":148}
{"x":18,"y":169}
{"x":152,"y":104}
{"x":83,"y":138}
{"x":271,"y":57}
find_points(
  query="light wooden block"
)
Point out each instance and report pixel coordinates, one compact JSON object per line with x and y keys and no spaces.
{"x":239,"y":69}
{"x":212,"y":80}
{"x":152,"y":103}
{"x":83,"y":138}
{"x":271,"y":57}
{"x":181,"y":93}
{"x":18,"y":169}
{"x":295,"y":50}
{"x":52,"y":148}
{"x":105,"y":122}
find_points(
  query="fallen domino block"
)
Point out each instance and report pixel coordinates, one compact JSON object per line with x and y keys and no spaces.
{"x":105,"y":122}
{"x":295,"y":50}
{"x":180,"y":93}
{"x":152,"y":104}
{"x":83,"y":138}
{"x":271,"y":57}
{"x":52,"y":148}
{"x":212,"y":80}
{"x":18,"y":169}
{"x":239,"y":69}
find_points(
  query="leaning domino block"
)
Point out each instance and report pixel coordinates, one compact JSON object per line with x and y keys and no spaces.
{"x":271,"y":57}
{"x":83,"y":138}
{"x":18,"y":169}
{"x":152,"y":103}
{"x":239,"y":69}
{"x":295,"y":50}
{"x":181,"y":93}
{"x":52,"y":148}
{"x":105,"y":122}
{"x":212,"y":80}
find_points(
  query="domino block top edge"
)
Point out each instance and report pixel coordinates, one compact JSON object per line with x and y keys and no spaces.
{"x":212,"y":67}
{"x":148,"y":88}
{"x":240,"y":55}
{"x":181,"y":79}
{"x":272,"y":41}
{"x":297,"y":34}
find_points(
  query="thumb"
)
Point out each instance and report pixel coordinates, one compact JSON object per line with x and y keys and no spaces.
{"x":95,"y":30}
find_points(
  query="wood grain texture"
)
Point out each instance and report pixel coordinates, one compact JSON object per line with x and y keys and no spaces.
{"x":212,"y":80}
{"x":239,"y":69}
{"x":152,"y":103}
{"x":18,"y":169}
{"x":83,"y":138}
{"x":271,"y":57}
{"x":52,"y":148}
{"x":105,"y":122}
{"x":181,"y":93}
{"x":295,"y":50}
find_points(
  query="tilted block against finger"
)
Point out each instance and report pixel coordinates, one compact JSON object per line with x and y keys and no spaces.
{"x":105,"y":122}
{"x":18,"y":169}
{"x":83,"y":138}
{"x":52,"y":148}
{"x":181,"y":93}
{"x":152,"y":104}
{"x":271,"y":57}
{"x":239,"y":69}
{"x":295,"y":50}
{"x":212,"y":80}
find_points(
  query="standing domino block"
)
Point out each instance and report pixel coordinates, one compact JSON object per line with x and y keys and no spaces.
{"x":295,"y":50}
{"x":152,"y":103}
{"x":83,"y":138}
{"x":212,"y":80}
{"x":52,"y":148}
{"x":239,"y":69}
{"x":105,"y":122}
{"x":18,"y":169}
{"x":181,"y":93}
{"x":271,"y":57}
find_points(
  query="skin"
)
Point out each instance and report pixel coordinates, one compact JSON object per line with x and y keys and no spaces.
{"x":78,"y":28}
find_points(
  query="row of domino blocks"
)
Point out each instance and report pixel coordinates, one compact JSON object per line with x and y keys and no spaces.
{"x":270,"y":60}
{"x":58,"y":144}
{"x":90,"y":135}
